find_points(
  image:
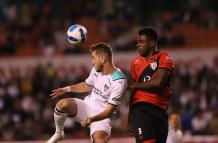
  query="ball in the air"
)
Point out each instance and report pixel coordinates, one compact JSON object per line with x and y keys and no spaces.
{"x":76,"y":34}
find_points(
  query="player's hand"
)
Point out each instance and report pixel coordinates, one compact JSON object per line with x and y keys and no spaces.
{"x":86,"y":122}
{"x":57,"y":92}
{"x":131,"y":85}
{"x":131,"y":88}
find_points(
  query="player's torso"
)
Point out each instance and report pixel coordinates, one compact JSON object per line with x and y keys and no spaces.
{"x":101,"y":90}
{"x":146,"y":63}
{"x":144,"y":70}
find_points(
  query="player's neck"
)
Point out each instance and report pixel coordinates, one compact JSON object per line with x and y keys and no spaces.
{"x":108,"y":69}
{"x":150,"y":53}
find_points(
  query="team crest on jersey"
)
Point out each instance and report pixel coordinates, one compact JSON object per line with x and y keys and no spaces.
{"x":106,"y":87}
{"x":153,"y":65}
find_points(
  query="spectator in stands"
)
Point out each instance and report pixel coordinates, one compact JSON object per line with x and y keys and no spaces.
{"x":175,"y":132}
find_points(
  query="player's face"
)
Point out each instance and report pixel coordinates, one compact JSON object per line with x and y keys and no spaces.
{"x":96,"y":61}
{"x":174,"y":121}
{"x":144,"y":44}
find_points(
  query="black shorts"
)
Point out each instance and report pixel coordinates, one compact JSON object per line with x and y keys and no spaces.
{"x":149,"y":122}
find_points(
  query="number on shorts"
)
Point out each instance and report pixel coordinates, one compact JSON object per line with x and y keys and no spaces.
{"x":140,"y":131}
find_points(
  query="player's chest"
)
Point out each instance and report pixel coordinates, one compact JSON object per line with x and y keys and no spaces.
{"x":103,"y":85}
{"x":145,"y":67}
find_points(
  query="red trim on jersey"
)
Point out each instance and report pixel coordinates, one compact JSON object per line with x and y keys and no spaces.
{"x":157,"y":98}
{"x":149,"y":141}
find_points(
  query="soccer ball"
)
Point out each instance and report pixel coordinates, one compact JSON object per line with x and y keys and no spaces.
{"x":76,"y":34}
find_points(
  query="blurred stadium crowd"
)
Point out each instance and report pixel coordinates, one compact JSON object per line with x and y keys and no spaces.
{"x":40,"y":25}
{"x":26,"y":110}
{"x":37,"y":27}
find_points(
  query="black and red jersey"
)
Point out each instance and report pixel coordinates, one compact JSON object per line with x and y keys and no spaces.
{"x":143,"y":69}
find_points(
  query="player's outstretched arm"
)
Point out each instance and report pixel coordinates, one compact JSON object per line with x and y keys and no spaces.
{"x":101,"y":116}
{"x":77,"y":88}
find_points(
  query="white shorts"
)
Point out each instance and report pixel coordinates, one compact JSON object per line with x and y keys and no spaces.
{"x":85,"y":110}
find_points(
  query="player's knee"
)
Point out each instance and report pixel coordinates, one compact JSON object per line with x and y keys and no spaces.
{"x":100,"y":137}
{"x":64,"y":104}
{"x":67,"y":105}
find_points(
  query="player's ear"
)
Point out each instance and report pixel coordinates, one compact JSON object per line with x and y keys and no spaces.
{"x":102,"y":59}
{"x":152,"y":43}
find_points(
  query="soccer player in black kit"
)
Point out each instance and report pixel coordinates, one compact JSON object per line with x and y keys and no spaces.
{"x":151,"y":73}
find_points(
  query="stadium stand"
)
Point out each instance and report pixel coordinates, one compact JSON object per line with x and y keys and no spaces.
{"x":34,"y":51}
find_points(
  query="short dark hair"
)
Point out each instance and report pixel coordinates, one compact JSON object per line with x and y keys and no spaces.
{"x":149,"y":32}
{"x":102,"y":48}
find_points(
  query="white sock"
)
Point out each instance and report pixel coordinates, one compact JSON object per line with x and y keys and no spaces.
{"x":59,"y":117}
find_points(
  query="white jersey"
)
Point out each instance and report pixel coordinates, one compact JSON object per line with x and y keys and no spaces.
{"x":106,"y":89}
{"x":174,"y":136}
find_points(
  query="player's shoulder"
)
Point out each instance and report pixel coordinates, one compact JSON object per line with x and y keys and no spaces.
{"x":165,"y":56}
{"x":118,"y":80}
{"x":136,"y":60}
{"x":118,"y":75}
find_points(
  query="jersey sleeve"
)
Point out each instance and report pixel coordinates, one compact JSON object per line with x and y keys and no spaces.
{"x":90,"y":79}
{"x":118,"y":90}
{"x":166,"y":62}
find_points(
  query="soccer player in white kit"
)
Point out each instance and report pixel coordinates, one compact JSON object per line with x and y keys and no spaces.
{"x":106,"y":85}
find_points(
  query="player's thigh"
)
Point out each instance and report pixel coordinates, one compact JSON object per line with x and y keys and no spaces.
{"x":84,"y":110}
{"x":101,"y":126}
{"x":100,"y":137}
{"x":162,"y":130}
{"x":144,"y":125}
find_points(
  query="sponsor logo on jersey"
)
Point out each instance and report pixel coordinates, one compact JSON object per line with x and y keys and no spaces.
{"x":99,"y":92}
{"x":106,"y":87}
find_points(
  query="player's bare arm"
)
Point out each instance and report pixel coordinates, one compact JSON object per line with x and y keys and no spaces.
{"x":77,"y":88}
{"x":101,"y":116}
{"x":155,"y":83}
